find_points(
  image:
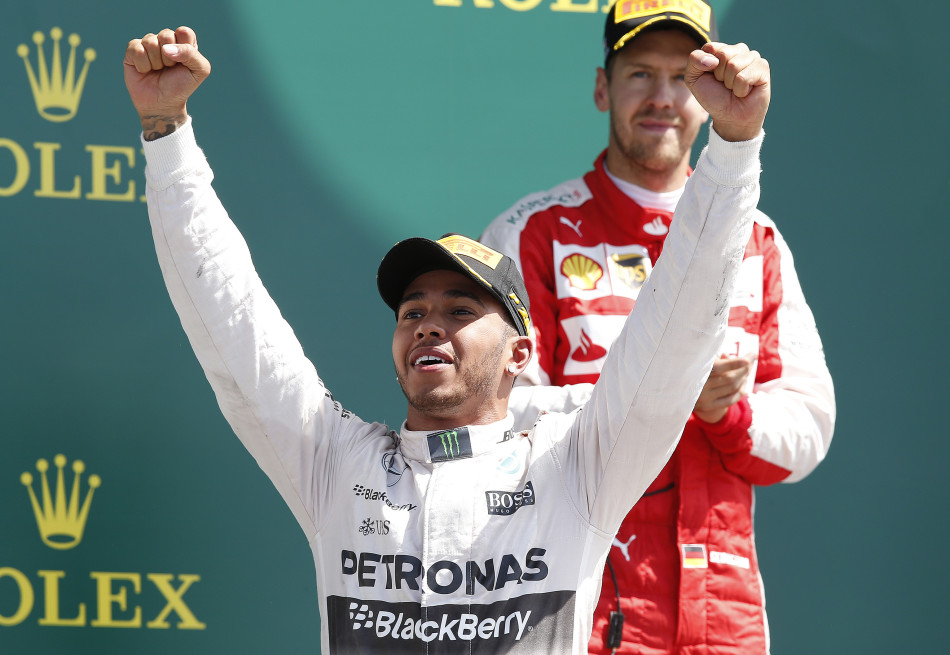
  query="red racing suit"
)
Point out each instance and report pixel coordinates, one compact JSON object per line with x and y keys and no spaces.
{"x":684,"y":558}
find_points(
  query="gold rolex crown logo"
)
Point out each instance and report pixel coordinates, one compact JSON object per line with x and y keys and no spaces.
{"x":56,"y":93}
{"x":61,"y":523}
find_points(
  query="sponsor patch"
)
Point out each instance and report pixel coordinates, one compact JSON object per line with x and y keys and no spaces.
{"x":624,"y":546}
{"x":459,"y":245}
{"x":509,"y":464}
{"x":381,"y":496}
{"x":402,"y":571}
{"x":728,"y":558}
{"x":694,"y":556}
{"x":506,"y":503}
{"x":395,"y":466}
{"x":581,"y":271}
{"x":656,"y":227}
{"x":569,"y":194}
{"x":373,"y":526}
{"x":361,"y":625}
{"x":631,"y":269}
{"x":590,"y":272}
{"x":590,"y":336}
{"x":696,"y":10}
{"x":449,"y":444}
{"x":564,"y":220}
{"x":587,"y":350}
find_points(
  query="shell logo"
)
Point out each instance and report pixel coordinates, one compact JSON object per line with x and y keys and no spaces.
{"x":582,"y":272}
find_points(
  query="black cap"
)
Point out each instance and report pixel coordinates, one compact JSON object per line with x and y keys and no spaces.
{"x":496,"y":272}
{"x":629,"y":18}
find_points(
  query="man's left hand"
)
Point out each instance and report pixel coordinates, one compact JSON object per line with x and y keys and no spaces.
{"x":724,"y":388}
{"x":733,"y":84}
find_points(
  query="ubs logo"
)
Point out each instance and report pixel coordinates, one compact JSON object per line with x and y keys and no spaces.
{"x":373,"y":526}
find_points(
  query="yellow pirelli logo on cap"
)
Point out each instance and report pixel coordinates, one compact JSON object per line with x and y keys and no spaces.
{"x":459,"y":245}
{"x":697,"y":11}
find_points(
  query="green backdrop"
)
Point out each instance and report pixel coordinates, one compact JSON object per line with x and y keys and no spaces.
{"x":336,"y":128}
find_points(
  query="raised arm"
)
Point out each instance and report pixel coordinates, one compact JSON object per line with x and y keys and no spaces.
{"x":654,"y":371}
{"x":161,"y":72}
{"x":266,"y":388}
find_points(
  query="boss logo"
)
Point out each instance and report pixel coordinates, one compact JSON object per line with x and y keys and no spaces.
{"x":505,"y":503}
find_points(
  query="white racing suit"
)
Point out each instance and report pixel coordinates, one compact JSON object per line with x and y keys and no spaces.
{"x":473,"y":540}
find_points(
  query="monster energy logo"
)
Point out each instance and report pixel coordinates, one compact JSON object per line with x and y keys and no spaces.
{"x":449,"y":444}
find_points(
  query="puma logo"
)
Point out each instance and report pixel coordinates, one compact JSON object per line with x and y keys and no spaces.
{"x":624,"y":547}
{"x":576,"y":227}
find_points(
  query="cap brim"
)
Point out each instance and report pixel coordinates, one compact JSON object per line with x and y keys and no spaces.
{"x":660,"y":24}
{"x":409,"y":259}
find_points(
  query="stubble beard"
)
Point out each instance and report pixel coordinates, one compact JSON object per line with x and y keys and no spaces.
{"x":475,"y":381}
{"x":662,"y":155}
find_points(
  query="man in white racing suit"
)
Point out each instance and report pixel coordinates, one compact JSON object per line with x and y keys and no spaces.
{"x":453,"y":534}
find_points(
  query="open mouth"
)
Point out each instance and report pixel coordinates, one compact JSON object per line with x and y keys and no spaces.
{"x":431,"y":361}
{"x":428,"y":360}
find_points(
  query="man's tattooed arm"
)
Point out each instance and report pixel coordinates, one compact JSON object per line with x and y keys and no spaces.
{"x":155,"y":127}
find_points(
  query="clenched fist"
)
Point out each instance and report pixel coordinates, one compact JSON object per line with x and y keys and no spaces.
{"x":161,"y":72}
{"x":733,"y":84}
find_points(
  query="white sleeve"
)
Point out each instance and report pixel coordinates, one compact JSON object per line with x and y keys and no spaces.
{"x":528,"y":401}
{"x":267,"y":389}
{"x":625,"y":434}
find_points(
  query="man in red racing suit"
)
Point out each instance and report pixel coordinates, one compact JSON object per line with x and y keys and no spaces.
{"x":683,"y":567}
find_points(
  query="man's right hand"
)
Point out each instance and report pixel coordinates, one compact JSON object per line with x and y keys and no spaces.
{"x":161,"y":72}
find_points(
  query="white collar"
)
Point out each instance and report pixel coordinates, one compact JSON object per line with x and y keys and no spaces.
{"x":456,"y":443}
{"x":662,"y":200}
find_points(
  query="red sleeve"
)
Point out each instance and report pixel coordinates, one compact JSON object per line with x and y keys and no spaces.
{"x":730,"y":437}
{"x":535,"y":257}
{"x":791,"y":411}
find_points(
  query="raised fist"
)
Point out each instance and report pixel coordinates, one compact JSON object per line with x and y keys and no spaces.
{"x":161,"y":72}
{"x":733,"y":84}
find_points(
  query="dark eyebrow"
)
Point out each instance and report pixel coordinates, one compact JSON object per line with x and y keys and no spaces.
{"x":457,"y":293}
{"x":639,"y":63}
{"x":452,"y":293}
{"x":418,"y":295}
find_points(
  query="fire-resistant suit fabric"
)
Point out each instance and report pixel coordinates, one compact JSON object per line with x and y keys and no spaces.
{"x":477,"y":539}
{"x":684,"y":558}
